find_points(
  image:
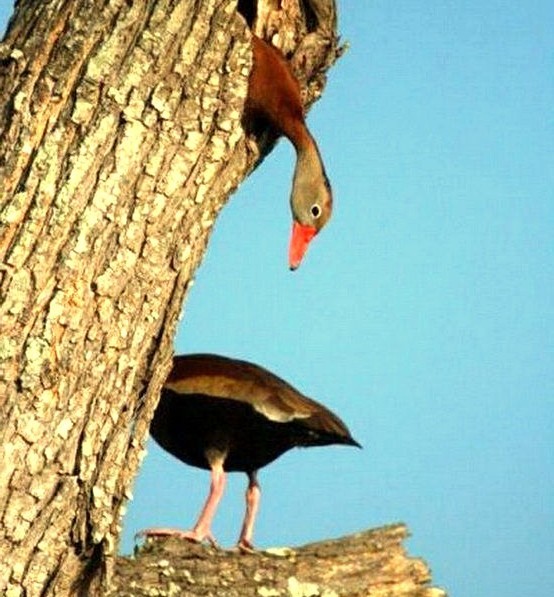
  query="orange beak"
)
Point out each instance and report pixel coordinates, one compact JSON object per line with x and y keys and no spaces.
{"x":300,"y":239}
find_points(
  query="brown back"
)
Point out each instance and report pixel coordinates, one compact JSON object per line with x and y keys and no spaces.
{"x":268,"y":394}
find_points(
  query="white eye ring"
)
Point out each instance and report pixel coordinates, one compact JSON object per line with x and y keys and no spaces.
{"x":315,"y":210}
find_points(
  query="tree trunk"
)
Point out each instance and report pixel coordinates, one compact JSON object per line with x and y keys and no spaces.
{"x":369,"y":564}
{"x":120,"y":140}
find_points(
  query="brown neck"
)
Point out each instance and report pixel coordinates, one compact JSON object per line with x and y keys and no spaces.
{"x":299,"y":135}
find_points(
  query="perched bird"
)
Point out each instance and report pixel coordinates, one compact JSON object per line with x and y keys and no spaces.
{"x":274,"y":96}
{"x":224,"y":415}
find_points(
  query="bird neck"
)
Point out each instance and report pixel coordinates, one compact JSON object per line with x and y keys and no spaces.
{"x":309,"y":166}
{"x":297,"y":131}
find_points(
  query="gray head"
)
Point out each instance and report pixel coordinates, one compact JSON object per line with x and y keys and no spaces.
{"x":311,"y":202}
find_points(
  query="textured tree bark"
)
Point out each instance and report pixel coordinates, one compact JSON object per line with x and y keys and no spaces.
{"x":120,"y":140}
{"x":368,"y":564}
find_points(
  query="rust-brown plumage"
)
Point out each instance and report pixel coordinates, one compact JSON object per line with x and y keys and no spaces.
{"x":224,"y":415}
{"x":274,"y":95}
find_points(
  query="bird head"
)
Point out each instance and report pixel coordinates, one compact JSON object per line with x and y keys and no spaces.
{"x":311,"y":203}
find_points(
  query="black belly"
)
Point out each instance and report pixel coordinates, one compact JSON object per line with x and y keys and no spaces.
{"x":189,"y":426}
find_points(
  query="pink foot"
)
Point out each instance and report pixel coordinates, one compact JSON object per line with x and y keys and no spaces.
{"x":246,"y":546}
{"x":195,"y":536}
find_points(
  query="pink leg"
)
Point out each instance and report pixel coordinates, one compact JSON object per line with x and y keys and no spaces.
{"x":253,"y":494}
{"x":202,"y":529}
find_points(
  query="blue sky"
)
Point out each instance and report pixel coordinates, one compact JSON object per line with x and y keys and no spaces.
{"x":423,"y":314}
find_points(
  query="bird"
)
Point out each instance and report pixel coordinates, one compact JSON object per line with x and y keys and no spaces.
{"x":274,"y":96}
{"x":226,"y":415}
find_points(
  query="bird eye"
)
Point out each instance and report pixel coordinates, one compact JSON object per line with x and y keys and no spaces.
{"x":315,"y":210}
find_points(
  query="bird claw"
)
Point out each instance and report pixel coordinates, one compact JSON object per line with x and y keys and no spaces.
{"x":192,"y":536}
{"x":211,"y":540}
{"x":245,"y":546}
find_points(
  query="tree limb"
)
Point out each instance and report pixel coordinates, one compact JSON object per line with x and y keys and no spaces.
{"x":372,"y":563}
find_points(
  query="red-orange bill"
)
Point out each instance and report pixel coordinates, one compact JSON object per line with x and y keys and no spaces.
{"x":300,"y":239}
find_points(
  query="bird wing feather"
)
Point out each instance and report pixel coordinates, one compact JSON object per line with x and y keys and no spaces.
{"x":268,"y":394}
{"x":222,"y":377}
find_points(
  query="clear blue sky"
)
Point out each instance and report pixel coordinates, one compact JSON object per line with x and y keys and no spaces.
{"x":424,"y":313}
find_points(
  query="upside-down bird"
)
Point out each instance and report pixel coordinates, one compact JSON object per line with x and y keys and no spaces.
{"x":274,"y":96}
{"x":225,"y":415}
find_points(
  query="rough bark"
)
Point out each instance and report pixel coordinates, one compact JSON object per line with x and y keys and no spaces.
{"x":120,"y":140}
{"x":369,"y":564}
